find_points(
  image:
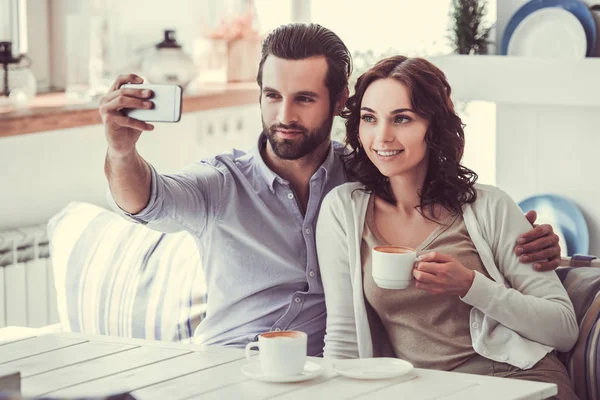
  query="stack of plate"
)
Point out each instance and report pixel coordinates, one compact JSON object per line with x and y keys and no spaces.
{"x":550,"y":29}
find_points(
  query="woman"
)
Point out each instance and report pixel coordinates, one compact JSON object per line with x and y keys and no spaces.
{"x":473,"y":306}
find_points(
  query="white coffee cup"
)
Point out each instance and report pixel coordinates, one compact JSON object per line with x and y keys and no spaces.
{"x":281,"y":353}
{"x":392,"y":266}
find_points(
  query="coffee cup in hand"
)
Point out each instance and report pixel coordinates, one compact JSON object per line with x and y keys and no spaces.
{"x":280,"y":353}
{"x":392,"y":266}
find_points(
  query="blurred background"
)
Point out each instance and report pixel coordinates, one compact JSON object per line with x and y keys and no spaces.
{"x":118,"y":33}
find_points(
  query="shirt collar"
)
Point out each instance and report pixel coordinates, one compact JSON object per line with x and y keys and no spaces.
{"x":329,"y":163}
{"x":270,"y":177}
{"x":266,"y":172}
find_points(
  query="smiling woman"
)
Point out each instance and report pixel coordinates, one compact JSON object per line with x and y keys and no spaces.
{"x":407,"y":142}
{"x":420,"y":123}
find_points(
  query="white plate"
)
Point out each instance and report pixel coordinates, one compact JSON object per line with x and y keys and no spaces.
{"x":549,"y":33}
{"x":254,"y":370}
{"x":372,"y":368}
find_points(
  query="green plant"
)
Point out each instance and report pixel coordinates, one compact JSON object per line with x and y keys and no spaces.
{"x":468,"y":34}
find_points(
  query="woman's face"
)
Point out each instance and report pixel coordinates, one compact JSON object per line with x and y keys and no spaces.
{"x":391,"y":133}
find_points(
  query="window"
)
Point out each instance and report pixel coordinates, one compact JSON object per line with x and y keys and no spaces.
{"x":408,"y":27}
{"x":271,"y":13}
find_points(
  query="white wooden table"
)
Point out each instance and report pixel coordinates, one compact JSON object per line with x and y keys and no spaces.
{"x":73,"y":365}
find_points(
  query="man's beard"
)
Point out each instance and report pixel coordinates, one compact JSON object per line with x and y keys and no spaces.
{"x":295,"y":149}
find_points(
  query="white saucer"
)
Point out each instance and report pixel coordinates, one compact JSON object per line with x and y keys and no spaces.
{"x":254,"y":370}
{"x":372,"y":368}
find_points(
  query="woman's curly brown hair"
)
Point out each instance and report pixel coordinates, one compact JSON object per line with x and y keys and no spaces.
{"x":447,"y":182}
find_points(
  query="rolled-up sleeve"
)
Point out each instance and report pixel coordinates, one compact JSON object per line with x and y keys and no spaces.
{"x":144,"y":215}
{"x":188,"y":200}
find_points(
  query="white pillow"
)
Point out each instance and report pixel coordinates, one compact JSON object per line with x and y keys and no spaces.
{"x":115,"y":277}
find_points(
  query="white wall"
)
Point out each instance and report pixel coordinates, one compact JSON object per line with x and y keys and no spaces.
{"x":479,"y":118}
{"x":549,"y":149}
{"x":5,"y":33}
{"x":43,"y":172}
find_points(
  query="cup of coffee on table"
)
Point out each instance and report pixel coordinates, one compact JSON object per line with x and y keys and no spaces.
{"x":280,"y":353}
{"x":392,"y":266}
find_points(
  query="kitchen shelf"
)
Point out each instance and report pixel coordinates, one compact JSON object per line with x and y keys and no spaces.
{"x":54,"y":111}
{"x":522,"y":80}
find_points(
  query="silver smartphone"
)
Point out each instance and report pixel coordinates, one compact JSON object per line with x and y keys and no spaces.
{"x":167,"y":101}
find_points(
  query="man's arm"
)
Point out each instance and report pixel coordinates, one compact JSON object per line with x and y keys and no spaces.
{"x":167,"y":203}
{"x":129,"y":180}
{"x":539,"y":246}
{"x":128,"y":174}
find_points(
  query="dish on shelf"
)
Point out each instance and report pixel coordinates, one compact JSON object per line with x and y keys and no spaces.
{"x":549,"y":33}
{"x":575,"y":7}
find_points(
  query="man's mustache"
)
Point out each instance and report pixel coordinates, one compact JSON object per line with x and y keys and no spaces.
{"x":292,"y":127}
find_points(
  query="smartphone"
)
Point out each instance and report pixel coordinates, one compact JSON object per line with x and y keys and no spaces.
{"x":167,"y":101}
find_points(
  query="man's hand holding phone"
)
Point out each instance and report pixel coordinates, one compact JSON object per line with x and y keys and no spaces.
{"x":129,"y":104}
{"x":123,"y":132}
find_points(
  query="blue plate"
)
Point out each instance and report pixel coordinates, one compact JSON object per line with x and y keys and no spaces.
{"x":575,"y":7}
{"x":567,"y":215}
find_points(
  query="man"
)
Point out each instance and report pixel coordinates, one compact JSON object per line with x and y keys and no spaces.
{"x":254,"y":214}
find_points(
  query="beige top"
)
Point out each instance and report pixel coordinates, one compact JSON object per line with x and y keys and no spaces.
{"x":518,"y":297}
{"x":431,"y":331}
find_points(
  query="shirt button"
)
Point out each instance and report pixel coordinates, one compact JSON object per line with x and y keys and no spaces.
{"x":311,"y":274}
{"x":297,"y":299}
{"x":475,"y":325}
{"x":307,"y":231}
{"x":485,"y":352}
{"x":290,"y":196}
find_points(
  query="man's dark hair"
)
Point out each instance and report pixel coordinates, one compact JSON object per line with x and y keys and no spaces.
{"x":299,"y":41}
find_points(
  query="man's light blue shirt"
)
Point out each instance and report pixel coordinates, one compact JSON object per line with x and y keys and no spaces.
{"x":258,"y":249}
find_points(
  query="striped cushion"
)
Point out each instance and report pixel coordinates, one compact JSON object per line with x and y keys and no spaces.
{"x":583,"y":361}
{"x":117,"y":278}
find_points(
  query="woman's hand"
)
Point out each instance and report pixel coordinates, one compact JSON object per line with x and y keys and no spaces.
{"x":441,"y":274}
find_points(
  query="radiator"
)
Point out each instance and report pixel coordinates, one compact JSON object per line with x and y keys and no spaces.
{"x":27,"y":294}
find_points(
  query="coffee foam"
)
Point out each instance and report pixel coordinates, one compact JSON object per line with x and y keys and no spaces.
{"x":282,"y":335}
{"x":394,"y":249}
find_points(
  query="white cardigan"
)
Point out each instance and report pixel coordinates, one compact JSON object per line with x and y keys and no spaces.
{"x":517,"y":318}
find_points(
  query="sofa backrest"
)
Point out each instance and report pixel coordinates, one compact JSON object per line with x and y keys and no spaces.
{"x":114,"y":277}
{"x":583,"y":361}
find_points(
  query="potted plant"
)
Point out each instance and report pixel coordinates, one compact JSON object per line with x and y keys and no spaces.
{"x":468,"y":33}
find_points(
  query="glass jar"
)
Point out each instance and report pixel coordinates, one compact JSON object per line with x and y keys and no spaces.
{"x":17,"y":83}
{"x":168,"y":64}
